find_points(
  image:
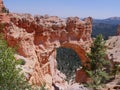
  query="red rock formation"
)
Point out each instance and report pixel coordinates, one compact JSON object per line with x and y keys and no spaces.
{"x":37,"y":38}
{"x":4,"y":18}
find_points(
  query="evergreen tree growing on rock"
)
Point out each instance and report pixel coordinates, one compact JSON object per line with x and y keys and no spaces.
{"x":97,"y":70}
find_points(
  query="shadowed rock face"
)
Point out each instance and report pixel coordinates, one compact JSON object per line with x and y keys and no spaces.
{"x":118,"y":30}
{"x":37,"y":37}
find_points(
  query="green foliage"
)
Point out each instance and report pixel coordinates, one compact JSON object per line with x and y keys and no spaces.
{"x":105,"y":27}
{"x":43,"y":87}
{"x":115,"y":70}
{"x":68,"y":61}
{"x":10,"y":77}
{"x":1,"y":27}
{"x":118,"y":83}
{"x":98,"y":70}
{"x":21,"y":61}
{"x":4,"y":10}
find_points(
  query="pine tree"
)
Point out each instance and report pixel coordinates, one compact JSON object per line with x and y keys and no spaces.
{"x":97,"y":70}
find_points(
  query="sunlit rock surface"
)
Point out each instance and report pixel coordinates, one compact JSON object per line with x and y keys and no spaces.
{"x":113,"y":51}
{"x":36,"y":39}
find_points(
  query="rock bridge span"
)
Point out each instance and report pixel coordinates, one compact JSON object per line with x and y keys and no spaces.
{"x":37,"y":38}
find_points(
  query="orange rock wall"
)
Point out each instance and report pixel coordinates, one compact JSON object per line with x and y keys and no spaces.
{"x":37,"y":37}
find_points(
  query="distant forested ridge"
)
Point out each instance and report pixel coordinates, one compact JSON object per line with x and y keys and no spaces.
{"x":107,"y":27}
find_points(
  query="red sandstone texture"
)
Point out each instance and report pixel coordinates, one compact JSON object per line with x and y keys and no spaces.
{"x":4,"y":18}
{"x":36,"y":39}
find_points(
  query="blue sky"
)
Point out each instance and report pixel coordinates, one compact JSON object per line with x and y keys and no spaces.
{"x":65,"y":8}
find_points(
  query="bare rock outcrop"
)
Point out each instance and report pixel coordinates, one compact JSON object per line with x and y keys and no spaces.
{"x":36,"y":39}
{"x":113,"y":50}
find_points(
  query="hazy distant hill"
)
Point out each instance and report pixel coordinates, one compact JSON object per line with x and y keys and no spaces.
{"x":114,"y":18}
{"x":107,"y":27}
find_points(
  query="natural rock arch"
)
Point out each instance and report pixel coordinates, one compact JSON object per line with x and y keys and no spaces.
{"x":79,"y":50}
{"x":38,"y":37}
{"x":80,"y":74}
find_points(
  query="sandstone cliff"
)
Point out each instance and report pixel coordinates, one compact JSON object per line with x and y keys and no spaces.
{"x":36,"y":39}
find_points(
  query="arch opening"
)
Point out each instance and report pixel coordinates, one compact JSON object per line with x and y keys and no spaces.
{"x":68,"y":62}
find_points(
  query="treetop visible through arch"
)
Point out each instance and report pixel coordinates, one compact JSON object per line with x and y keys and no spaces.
{"x":67,"y":62}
